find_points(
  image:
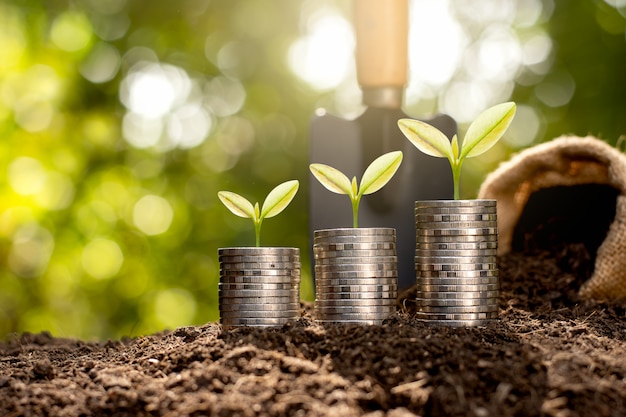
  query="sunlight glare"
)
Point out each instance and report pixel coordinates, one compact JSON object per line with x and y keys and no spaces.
{"x":325,"y":55}
{"x":436,"y":43}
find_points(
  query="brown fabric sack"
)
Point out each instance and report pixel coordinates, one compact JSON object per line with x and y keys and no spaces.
{"x":568,"y":163}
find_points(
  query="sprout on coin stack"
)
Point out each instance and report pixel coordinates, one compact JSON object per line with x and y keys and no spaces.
{"x":356,"y":269}
{"x":456,"y":240}
{"x":259,"y":286}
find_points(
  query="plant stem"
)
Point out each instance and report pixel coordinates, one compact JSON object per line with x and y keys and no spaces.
{"x":355,"y":213}
{"x":456,"y":178}
{"x":257,"y":232}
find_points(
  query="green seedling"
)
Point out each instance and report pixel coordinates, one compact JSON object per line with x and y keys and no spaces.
{"x":275,"y":202}
{"x":482,"y":134}
{"x":377,"y":174}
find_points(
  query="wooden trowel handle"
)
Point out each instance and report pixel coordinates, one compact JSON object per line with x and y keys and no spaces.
{"x":381,"y":50}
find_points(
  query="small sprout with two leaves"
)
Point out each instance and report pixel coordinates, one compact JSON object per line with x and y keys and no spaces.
{"x":275,"y":202}
{"x":377,"y":174}
{"x":482,"y":134}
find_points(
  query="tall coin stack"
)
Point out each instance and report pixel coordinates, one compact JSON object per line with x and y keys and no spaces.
{"x":259,"y":286}
{"x":455,"y":262}
{"x":356,"y":275}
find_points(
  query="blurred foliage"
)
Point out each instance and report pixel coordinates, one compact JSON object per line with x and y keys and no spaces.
{"x":120,"y":120}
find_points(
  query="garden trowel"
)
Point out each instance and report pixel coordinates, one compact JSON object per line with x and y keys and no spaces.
{"x":351,"y":145}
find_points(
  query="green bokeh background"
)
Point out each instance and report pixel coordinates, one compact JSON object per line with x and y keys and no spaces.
{"x":102,"y":236}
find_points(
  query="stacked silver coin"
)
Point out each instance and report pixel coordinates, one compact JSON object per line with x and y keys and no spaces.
{"x":259,"y":286}
{"x":356,"y":275}
{"x":455,"y":262}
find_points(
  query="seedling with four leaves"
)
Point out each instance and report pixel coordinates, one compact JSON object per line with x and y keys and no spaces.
{"x":482,"y":134}
{"x":375,"y":177}
{"x":275,"y":202}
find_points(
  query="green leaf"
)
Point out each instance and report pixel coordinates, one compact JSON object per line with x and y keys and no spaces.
{"x":455,"y":148}
{"x":426,"y":138}
{"x":279,"y":198}
{"x":487,"y":129}
{"x":331,"y":178}
{"x":236,"y":204}
{"x":257,"y":214}
{"x":379,"y":172}
{"x":354,"y":189}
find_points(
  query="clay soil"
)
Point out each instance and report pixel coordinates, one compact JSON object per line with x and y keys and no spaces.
{"x":550,"y":354}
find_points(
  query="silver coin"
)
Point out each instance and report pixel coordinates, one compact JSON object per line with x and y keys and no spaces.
{"x":372,"y":267}
{"x":226,"y":286}
{"x":349,"y":317}
{"x":440,"y":295}
{"x":357,"y":259}
{"x":459,"y":323}
{"x":350,"y":231}
{"x":356,"y":288}
{"x":259,"y":265}
{"x":457,"y":316}
{"x":258,"y":251}
{"x":254,"y":322}
{"x":252,"y":314}
{"x":262,"y":274}
{"x":457,"y":225}
{"x":234,"y":306}
{"x":457,"y":288}
{"x":419,"y":211}
{"x":261,"y":258}
{"x":359,"y":322}
{"x":472,"y":217}
{"x":358,"y":275}
{"x":357,"y":309}
{"x":322,"y":254}
{"x":487,"y":273}
{"x":456,"y":203}
{"x":354,"y":239}
{"x":333,"y":282}
{"x":457,"y":281}
{"x":460,"y":253}
{"x":354,"y":246}
{"x":259,"y":300}
{"x":457,"y":267}
{"x":381,"y":295}
{"x":470,"y":231}
{"x":255,"y":293}
{"x":457,"y":245}
{"x":419,"y":238}
{"x":268,"y":279}
{"x":461,"y":302}
{"x":457,"y":310}
{"x":454,"y":260}
{"x":354,"y":302}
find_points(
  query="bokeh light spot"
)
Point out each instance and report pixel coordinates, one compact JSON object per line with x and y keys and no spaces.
{"x":323,"y":57}
{"x":71,"y":31}
{"x":57,"y":192}
{"x":26,"y":175}
{"x":174,"y":307}
{"x":102,"y":64}
{"x":31,"y":250}
{"x":102,"y":258}
{"x":151,"y":90}
{"x":153,"y":215}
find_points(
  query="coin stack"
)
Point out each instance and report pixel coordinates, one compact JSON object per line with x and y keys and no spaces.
{"x":259,"y":286}
{"x":455,"y":262}
{"x":356,"y":275}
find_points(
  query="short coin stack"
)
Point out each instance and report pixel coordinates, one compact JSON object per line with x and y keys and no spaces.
{"x":455,"y":262}
{"x":259,"y":286}
{"x":356,"y":275}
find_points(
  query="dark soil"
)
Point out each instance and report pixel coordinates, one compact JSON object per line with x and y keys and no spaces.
{"x":550,"y":355}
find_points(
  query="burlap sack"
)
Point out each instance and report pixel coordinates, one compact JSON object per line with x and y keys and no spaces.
{"x":567,"y":161}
